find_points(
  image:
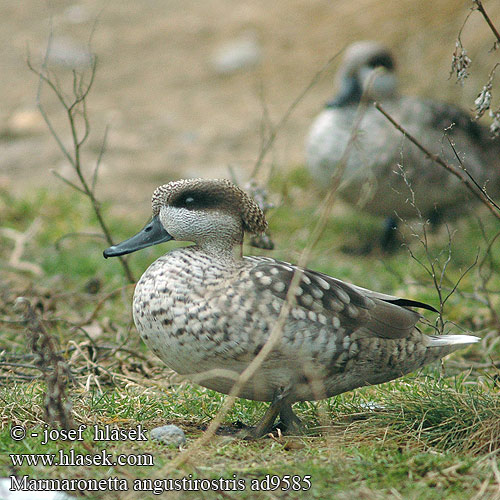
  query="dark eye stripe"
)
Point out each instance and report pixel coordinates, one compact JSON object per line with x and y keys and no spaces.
{"x":196,"y":200}
{"x":383,"y":60}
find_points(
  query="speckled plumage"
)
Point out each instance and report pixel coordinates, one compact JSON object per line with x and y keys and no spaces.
{"x":206,"y":311}
{"x":371,"y":177}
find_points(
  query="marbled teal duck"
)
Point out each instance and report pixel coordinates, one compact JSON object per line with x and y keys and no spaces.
{"x":206,"y":311}
{"x":371,"y":177}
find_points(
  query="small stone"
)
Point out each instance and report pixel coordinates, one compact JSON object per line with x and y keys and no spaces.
{"x":372,"y":406}
{"x":240,"y":53}
{"x":169,"y":435}
{"x":27,"y":122}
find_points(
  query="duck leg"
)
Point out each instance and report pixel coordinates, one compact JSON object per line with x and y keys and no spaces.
{"x":290,"y":421}
{"x":279,"y":406}
{"x":266,"y":425}
{"x":389,"y":239}
{"x":435,"y":219}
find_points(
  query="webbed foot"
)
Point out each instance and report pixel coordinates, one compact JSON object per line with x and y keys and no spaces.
{"x":289,"y":422}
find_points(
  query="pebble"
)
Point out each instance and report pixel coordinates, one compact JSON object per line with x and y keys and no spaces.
{"x":25,"y":122}
{"x":169,"y":435}
{"x":240,"y":53}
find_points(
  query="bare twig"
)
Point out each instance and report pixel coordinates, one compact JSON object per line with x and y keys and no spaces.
{"x":67,"y":181}
{"x":486,"y":273}
{"x":473,"y":186}
{"x":460,"y":63}
{"x":479,"y":6}
{"x":75,"y":108}
{"x":102,"y":149}
{"x":56,"y":371}
{"x":20,"y":241}
{"x":93,"y":315}
{"x":432,"y":264}
{"x":468,"y":174}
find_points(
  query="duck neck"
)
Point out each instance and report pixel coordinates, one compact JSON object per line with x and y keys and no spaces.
{"x":223,"y":251}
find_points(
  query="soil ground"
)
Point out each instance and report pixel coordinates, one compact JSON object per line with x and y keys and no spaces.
{"x":170,"y":114}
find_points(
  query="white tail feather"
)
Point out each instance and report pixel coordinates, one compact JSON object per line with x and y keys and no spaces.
{"x":452,"y":339}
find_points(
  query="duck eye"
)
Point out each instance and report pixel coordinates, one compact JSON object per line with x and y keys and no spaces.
{"x":189,"y":200}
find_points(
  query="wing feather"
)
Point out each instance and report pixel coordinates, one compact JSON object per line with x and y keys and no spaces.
{"x":357,"y":308}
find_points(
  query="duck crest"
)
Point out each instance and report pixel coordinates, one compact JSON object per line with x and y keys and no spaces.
{"x":219,"y":194}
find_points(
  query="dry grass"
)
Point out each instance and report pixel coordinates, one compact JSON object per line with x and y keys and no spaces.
{"x":440,"y":432}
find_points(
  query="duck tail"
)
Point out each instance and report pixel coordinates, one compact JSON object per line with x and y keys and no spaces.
{"x":451,"y":340}
{"x":440,"y":346}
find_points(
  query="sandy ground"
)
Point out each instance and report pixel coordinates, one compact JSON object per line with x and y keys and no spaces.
{"x":171,"y":114}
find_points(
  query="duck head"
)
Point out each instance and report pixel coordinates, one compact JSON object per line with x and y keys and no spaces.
{"x":214,"y":214}
{"x":368,"y":67}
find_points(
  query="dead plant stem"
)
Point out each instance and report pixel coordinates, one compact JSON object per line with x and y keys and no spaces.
{"x":471,"y":185}
{"x":75,"y":107}
{"x":480,"y":8}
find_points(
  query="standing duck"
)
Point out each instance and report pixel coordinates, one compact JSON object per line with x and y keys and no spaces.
{"x":371,"y":178}
{"x":206,"y":311}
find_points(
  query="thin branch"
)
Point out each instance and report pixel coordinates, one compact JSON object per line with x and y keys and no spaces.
{"x":485,"y":276}
{"x":76,"y":86}
{"x":480,"y":8}
{"x":265,"y":121}
{"x":86,"y":124}
{"x":462,"y":276}
{"x":41,"y":79}
{"x":478,"y":186}
{"x":67,"y":181}
{"x":472,"y":186}
{"x":93,"y":315}
{"x":102,"y":149}
{"x":56,"y":371}
{"x":490,"y":244}
{"x":20,"y":241}
{"x":77,"y":107}
{"x":433,"y":266}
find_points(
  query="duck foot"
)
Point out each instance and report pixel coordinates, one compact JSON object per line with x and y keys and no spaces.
{"x":435,"y":219}
{"x":235,"y":429}
{"x":289,"y":422}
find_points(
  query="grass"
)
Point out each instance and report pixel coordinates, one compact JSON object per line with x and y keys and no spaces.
{"x":430,"y":435}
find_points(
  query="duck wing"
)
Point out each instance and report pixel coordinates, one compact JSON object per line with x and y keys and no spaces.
{"x":347,"y":306}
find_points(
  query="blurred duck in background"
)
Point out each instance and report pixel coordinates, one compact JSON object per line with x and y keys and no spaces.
{"x":373,"y":178}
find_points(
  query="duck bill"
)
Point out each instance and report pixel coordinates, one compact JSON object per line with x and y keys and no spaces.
{"x":152,"y":234}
